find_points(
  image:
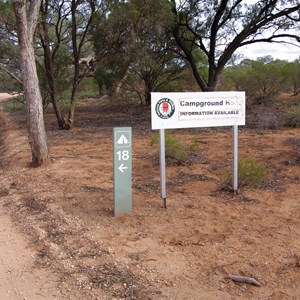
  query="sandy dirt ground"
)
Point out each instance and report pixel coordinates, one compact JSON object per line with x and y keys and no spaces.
{"x":187,"y":251}
{"x":19,"y":278}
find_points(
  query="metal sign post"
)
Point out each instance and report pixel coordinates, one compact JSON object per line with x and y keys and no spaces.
{"x":122,"y":151}
{"x":235,"y":159}
{"x":162,"y":157}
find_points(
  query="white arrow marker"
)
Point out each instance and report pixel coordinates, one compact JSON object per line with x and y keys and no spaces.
{"x":122,"y":168}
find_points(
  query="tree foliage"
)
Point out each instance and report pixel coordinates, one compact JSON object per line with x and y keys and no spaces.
{"x":293,"y":75}
{"x":219,"y":28}
{"x":64,"y":38}
{"x":138,"y":36}
{"x":262,"y":79}
{"x":10,"y":79}
{"x":136,"y":47}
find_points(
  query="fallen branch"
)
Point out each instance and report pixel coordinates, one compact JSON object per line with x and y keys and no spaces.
{"x":244,"y":279}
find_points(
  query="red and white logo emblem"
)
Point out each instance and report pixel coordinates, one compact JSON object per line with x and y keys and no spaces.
{"x":165,"y":108}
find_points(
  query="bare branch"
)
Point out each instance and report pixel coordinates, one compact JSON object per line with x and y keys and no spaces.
{"x":11,"y":74}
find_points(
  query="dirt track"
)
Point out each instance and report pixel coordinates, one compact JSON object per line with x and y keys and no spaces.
{"x":19,"y":276}
{"x":185,"y":252}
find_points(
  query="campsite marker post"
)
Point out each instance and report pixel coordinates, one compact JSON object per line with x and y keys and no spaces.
{"x":122,"y":152}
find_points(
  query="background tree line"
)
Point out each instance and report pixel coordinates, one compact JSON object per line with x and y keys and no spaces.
{"x":263,"y":79}
{"x":132,"y":48}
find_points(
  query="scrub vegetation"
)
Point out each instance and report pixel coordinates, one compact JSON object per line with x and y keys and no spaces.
{"x":85,"y":67}
{"x":177,"y":152}
{"x":251,"y":172}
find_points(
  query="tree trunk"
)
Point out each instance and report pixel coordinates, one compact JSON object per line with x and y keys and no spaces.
{"x":70,"y":119}
{"x":148,"y":90}
{"x":49,"y":66}
{"x":213,"y":78}
{"x":34,"y":108}
{"x":26,"y":22}
{"x":52,"y":86}
{"x":121,"y":82}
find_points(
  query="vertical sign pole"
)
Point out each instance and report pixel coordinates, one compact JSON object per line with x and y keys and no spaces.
{"x":235,"y":159}
{"x":162,"y":157}
{"x":122,"y":171}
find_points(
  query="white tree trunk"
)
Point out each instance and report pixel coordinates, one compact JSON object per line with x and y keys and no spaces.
{"x":26,"y":22}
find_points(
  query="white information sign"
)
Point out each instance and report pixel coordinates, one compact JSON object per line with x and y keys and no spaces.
{"x":201,"y":109}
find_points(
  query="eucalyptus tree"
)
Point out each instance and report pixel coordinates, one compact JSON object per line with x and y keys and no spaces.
{"x":64,"y":38}
{"x":219,"y":28}
{"x":27,"y":18}
{"x":262,"y":79}
{"x":134,"y":35}
{"x":153,"y":61}
{"x":109,"y":33}
{"x":293,"y":73}
{"x":51,"y":35}
{"x":10,"y":74}
{"x":82,"y":14}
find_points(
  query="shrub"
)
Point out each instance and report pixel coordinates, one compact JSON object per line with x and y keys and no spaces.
{"x":292,"y":117}
{"x":264,"y":120}
{"x":13,"y":104}
{"x":175,"y":150}
{"x":250,"y":172}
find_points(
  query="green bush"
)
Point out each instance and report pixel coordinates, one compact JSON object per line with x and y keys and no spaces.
{"x":13,"y":105}
{"x":250,"y":172}
{"x":88,"y":88}
{"x":193,"y":146}
{"x":175,"y":150}
{"x":292,"y":117}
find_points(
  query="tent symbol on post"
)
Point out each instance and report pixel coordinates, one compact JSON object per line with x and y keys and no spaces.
{"x":122,"y":139}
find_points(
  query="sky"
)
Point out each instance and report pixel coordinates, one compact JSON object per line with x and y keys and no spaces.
{"x":277,"y":51}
